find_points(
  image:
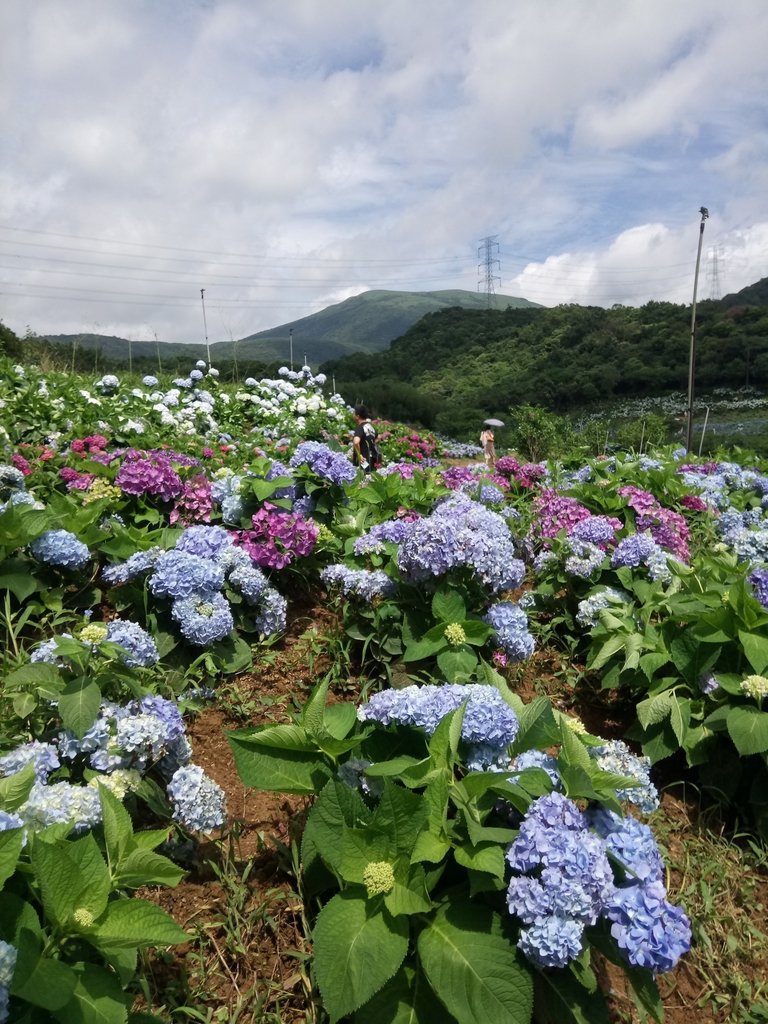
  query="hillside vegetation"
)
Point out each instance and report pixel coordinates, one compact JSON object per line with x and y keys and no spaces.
{"x":454,"y":367}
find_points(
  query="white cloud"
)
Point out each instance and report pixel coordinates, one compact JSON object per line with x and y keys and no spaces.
{"x":351,"y":144}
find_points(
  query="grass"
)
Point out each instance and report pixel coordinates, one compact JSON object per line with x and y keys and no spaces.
{"x":722,"y":883}
{"x":246,"y":963}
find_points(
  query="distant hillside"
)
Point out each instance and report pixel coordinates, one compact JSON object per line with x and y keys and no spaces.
{"x":364,"y":323}
{"x":753,"y":295}
{"x":367,"y":323}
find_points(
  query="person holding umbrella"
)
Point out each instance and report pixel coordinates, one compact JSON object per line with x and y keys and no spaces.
{"x":487,"y":440}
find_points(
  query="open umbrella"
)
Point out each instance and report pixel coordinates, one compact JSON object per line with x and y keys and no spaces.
{"x":493,"y":423}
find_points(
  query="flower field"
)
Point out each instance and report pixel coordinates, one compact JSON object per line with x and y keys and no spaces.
{"x":281,"y":741}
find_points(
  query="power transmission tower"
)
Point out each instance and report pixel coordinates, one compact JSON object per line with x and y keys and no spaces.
{"x":488,"y":246}
{"x":713,"y":275}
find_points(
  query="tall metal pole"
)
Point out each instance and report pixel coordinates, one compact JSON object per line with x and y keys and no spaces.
{"x":290,"y":340}
{"x":692,"y":353}
{"x":205,"y":326}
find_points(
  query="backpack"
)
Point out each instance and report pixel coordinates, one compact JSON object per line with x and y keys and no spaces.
{"x":375,"y":453}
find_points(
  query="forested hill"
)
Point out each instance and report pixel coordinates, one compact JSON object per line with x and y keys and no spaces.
{"x":454,"y":367}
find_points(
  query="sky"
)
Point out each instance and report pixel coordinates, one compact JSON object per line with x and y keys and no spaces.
{"x":192,"y":169}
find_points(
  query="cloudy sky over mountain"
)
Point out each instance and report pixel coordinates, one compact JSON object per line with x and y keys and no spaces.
{"x":283,"y":155}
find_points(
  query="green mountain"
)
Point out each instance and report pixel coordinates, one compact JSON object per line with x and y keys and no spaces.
{"x":365,"y":323}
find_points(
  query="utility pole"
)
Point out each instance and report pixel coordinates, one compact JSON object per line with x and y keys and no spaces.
{"x":205,"y":327}
{"x":692,"y":353}
{"x":290,"y":343}
{"x":485,"y":252}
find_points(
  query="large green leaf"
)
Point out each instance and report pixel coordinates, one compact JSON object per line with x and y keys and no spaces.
{"x":756,"y":650}
{"x":15,"y":789}
{"x":358,"y":948}
{"x":406,"y":999}
{"x":118,"y":830}
{"x":475,"y":970}
{"x":61,"y":883}
{"x":79,"y":704}
{"x":271,"y":766}
{"x":11,"y":843}
{"x":457,"y":665}
{"x":49,"y":984}
{"x":748,"y":728}
{"x":132,"y":922}
{"x":560,"y":999}
{"x":98,"y":998}
{"x":448,"y":606}
{"x":337,"y":807}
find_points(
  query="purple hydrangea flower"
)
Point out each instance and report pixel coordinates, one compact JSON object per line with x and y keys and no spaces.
{"x":323,"y":461}
{"x":151,"y":475}
{"x":461,"y":534}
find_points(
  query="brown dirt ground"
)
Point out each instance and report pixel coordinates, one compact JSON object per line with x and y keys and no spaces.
{"x":259,"y":973}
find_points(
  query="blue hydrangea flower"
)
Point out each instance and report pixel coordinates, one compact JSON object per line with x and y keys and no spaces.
{"x":367,"y":584}
{"x":60,"y":548}
{"x":134,"y":565}
{"x":572,"y":884}
{"x":538,"y":759}
{"x":631,"y":842}
{"x":198,"y":802}
{"x":551,"y":941}
{"x":249,"y":580}
{"x":272,"y":613}
{"x":511,"y":625}
{"x":615,"y":756}
{"x":8,"y":820}
{"x":585,"y":558}
{"x":489,"y":725}
{"x":141,"y":649}
{"x":205,"y":541}
{"x":393,"y":531}
{"x":61,"y":803}
{"x":651,"y":932}
{"x":44,"y":757}
{"x":178,"y":574}
{"x":203,"y":618}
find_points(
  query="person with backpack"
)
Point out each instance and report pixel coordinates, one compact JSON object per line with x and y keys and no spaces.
{"x":365,"y":452}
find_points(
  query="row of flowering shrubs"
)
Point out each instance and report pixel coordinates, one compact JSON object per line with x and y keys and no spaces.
{"x":470,"y":853}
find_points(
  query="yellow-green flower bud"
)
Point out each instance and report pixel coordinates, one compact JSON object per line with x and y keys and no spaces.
{"x":83,"y":917}
{"x":378,"y":877}
{"x":755,"y":686}
{"x":576,"y":725}
{"x":101,"y":488}
{"x":455,"y":635}
{"x":93,"y":633}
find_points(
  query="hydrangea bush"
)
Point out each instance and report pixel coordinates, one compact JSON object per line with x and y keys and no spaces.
{"x":453,"y":878}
